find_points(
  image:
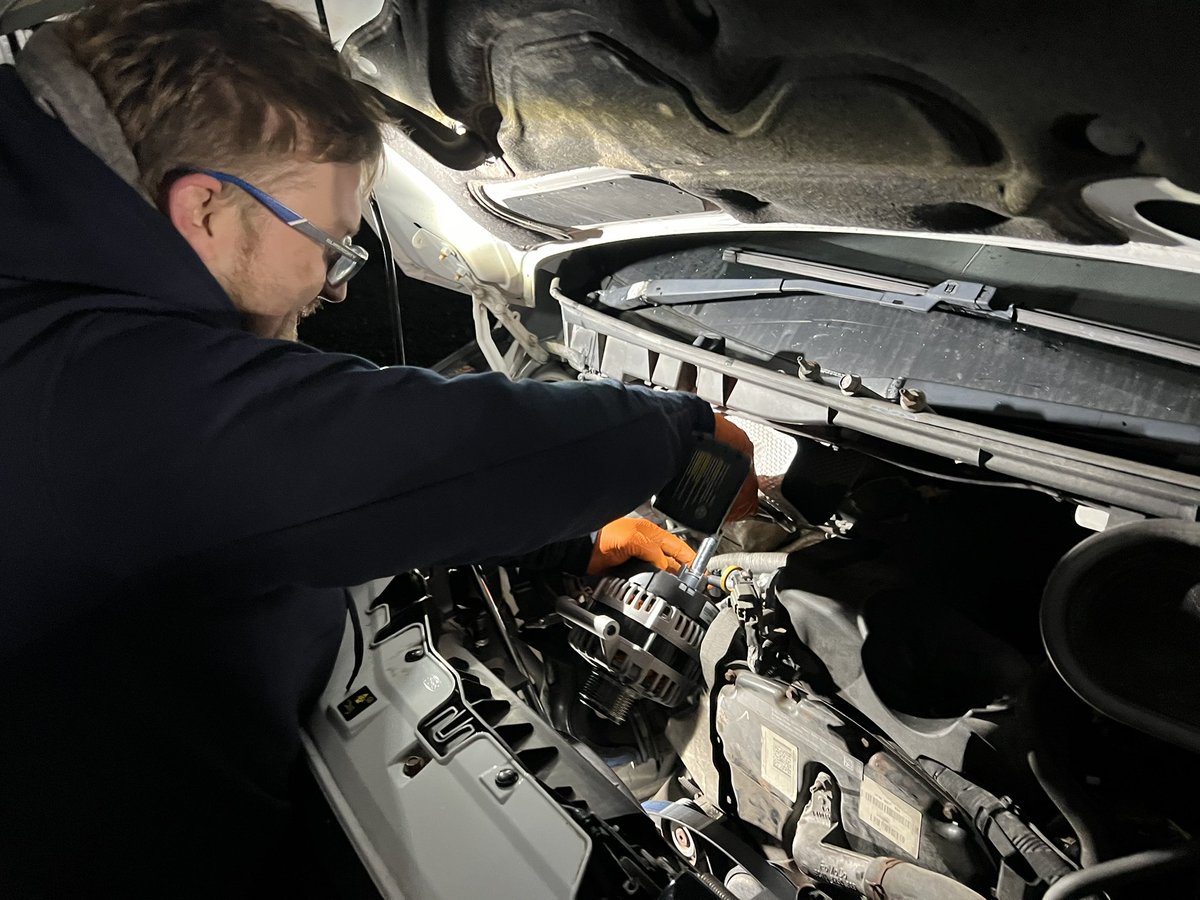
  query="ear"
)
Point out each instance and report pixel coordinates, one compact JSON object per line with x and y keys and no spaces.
{"x":196,"y":207}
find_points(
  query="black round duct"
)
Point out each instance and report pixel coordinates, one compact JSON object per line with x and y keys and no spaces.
{"x":1121,"y":624}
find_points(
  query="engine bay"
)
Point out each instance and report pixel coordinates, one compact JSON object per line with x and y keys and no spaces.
{"x":866,"y":707}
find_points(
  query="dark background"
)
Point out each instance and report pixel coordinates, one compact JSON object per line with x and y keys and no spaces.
{"x":436,"y":321}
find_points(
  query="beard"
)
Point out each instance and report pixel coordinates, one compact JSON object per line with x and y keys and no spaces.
{"x":245,"y":282}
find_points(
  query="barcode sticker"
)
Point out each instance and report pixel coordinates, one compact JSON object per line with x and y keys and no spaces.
{"x":890,"y":816}
{"x":780,"y":761}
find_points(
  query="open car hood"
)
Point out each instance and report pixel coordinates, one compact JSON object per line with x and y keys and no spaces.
{"x":1065,"y":121}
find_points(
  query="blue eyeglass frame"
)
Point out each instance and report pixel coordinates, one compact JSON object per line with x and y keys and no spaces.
{"x":350,"y":257}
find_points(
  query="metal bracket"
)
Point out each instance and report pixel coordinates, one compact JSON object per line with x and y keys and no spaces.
{"x":486,"y":298}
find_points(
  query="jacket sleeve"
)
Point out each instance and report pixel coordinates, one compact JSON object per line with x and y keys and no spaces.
{"x":178,"y":448}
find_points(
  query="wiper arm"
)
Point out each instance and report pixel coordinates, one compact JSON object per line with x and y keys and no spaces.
{"x":842,"y":283}
{"x":823,"y":271}
{"x":853,"y":284}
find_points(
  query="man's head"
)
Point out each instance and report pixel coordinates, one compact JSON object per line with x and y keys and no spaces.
{"x":243,"y":87}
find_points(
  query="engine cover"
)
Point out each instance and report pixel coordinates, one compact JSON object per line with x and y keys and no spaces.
{"x":777,"y":740}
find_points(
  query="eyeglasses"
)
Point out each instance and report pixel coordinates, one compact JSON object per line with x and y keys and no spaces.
{"x":348,"y":258}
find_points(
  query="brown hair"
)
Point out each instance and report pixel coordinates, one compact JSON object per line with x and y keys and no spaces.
{"x":240,"y":85}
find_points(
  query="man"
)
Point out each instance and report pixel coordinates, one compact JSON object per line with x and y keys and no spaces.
{"x":185,"y":489}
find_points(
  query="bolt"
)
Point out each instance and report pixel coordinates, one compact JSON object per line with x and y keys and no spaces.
{"x":506,"y":778}
{"x":949,"y":812}
{"x":683,"y":841}
{"x":413,"y":765}
{"x":414,"y":654}
{"x":849,"y":384}
{"x":912,"y":399}
{"x":808,"y":369}
{"x":730,"y":676}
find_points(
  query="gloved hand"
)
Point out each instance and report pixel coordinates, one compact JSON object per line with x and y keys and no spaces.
{"x":746,"y":503}
{"x":629,"y":538}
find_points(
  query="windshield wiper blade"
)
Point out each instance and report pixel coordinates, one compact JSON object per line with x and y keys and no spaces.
{"x":967,"y":295}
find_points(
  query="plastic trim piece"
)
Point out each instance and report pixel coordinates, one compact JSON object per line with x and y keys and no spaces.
{"x":766,"y":394}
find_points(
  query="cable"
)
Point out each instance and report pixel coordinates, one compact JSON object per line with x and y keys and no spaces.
{"x":323,"y":19}
{"x":393,"y":287}
{"x":1115,"y":872}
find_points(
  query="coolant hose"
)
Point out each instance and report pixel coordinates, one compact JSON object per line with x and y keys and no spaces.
{"x":905,"y":881}
{"x":881,"y":877}
{"x":1123,"y":870}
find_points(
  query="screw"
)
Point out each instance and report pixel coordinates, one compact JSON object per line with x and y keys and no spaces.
{"x":506,"y":778}
{"x":849,"y":384}
{"x":414,"y":654}
{"x":413,"y":765}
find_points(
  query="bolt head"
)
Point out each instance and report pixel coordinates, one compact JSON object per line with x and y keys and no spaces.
{"x":413,"y":765}
{"x":849,"y":383}
{"x":506,"y":778}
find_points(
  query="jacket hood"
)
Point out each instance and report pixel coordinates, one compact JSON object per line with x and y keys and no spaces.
{"x":68,"y":219}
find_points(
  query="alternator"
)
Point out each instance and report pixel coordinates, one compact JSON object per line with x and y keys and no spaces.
{"x":641,"y":636}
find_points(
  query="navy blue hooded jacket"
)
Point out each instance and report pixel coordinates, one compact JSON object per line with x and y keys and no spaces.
{"x":180,"y":504}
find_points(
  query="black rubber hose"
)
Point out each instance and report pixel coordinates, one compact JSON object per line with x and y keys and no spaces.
{"x":392,"y":284}
{"x":1047,"y":762}
{"x":461,"y":152}
{"x":1042,"y":858}
{"x":1082,"y":579}
{"x":1123,"y":870}
{"x":1063,"y":795}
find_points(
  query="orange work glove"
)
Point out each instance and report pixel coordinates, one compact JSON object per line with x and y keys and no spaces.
{"x":746,"y":503}
{"x":627,"y":539}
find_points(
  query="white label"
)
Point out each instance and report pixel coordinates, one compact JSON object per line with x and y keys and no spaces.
{"x":890,"y":816}
{"x":779,"y":763}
